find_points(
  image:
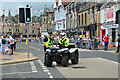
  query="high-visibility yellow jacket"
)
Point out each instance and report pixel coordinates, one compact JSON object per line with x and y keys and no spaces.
{"x":49,"y":42}
{"x":64,"y":42}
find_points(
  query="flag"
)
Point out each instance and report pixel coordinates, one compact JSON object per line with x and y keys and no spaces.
{"x":38,"y":10}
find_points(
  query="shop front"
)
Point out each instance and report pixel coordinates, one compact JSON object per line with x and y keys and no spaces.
{"x":92,"y":30}
{"x":83,"y":30}
{"x":112,"y":31}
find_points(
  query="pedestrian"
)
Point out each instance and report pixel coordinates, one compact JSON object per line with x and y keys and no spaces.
{"x":11,"y":44}
{"x":106,"y":42}
{"x":95,"y":42}
{"x":83,"y":42}
{"x":110,"y":43}
{"x":14,"y":43}
{"x":0,"y":42}
{"x":98,"y":42}
{"x":3,"y":44}
{"x":10,"y":41}
{"x":89,"y":43}
{"x":118,"y":44}
{"x":72,"y":39}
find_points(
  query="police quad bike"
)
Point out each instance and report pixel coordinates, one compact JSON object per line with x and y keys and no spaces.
{"x":61,"y":56}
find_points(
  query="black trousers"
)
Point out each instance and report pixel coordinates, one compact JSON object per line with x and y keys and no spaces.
{"x":45,"y":48}
{"x":118,"y":47}
{"x":12,"y":46}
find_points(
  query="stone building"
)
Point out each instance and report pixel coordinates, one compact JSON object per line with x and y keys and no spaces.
{"x":46,"y":19}
{"x":11,"y":25}
{"x":89,"y":18}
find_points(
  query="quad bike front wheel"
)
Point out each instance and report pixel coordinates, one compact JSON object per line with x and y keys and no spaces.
{"x":65,"y":61}
{"x":76,"y":59}
{"x":48,"y":61}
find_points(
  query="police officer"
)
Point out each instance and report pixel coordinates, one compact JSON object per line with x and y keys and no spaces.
{"x":64,"y":41}
{"x":47,"y":42}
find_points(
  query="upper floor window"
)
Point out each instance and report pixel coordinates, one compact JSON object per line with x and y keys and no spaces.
{"x":79,"y":19}
{"x":33,"y":30}
{"x":9,"y":29}
{"x":85,"y":18}
{"x":44,"y":19}
{"x":82,"y":19}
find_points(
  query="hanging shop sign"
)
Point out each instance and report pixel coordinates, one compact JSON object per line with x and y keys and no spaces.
{"x":110,"y":26}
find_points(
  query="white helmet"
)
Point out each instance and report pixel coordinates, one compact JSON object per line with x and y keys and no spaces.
{"x":62,"y":34}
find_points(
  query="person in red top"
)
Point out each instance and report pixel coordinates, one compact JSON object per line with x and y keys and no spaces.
{"x":106,"y":42}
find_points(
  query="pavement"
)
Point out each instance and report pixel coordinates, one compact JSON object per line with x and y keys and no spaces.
{"x":16,"y":58}
{"x":101,"y":48}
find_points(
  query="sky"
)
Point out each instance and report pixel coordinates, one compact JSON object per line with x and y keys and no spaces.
{"x":13,"y":5}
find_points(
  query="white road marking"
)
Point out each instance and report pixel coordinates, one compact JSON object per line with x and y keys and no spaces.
{"x":109,"y":60}
{"x":33,"y":67}
{"x":45,"y":68}
{"x":50,"y":76}
{"x":18,"y":73}
{"x":49,"y":73}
